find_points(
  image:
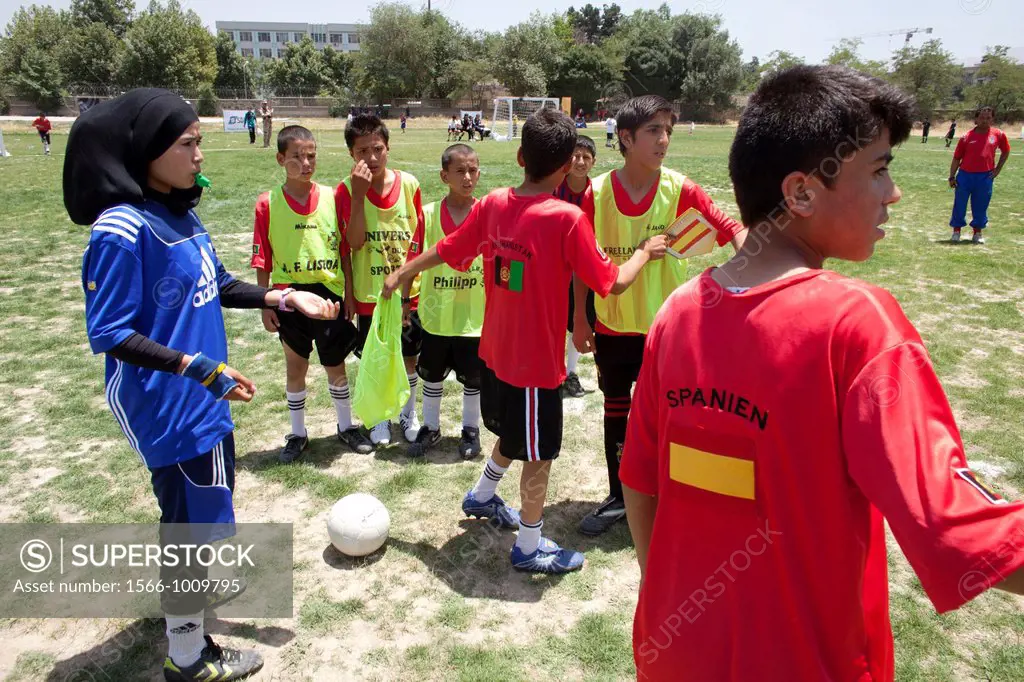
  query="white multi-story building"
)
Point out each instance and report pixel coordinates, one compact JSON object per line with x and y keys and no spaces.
{"x":267,"y":40}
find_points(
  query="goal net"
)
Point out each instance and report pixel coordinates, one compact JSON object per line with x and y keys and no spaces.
{"x":511,"y":112}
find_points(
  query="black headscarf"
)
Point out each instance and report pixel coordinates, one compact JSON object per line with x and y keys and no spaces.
{"x":111,"y":146}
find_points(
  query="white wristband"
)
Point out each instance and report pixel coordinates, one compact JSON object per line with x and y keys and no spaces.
{"x":281,"y":305}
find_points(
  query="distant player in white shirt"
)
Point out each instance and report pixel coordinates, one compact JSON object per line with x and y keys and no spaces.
{"x":609,"y":127}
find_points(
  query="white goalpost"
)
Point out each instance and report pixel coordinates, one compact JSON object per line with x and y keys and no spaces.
{"x":511,"y":112}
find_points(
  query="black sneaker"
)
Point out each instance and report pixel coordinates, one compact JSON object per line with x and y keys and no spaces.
{"x":356,"y":439}
{"x":469,"y":444}
{"x":293,"y":447}
{"x":572,"y":387}
{"x":216,"y":663}
{"x":604,"y":517}
{"x":425,"y":439}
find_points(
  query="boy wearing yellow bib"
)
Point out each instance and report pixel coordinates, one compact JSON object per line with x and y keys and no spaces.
{"x":380,"y":210}
{"x":627,"y":206}
{"x":451,"y":309}
{"x":298,"y":245}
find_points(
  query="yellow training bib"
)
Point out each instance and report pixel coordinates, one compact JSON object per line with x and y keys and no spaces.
{"x":388,"y":233}
{"x":306,"y":248}
{"x":633,"y":311}
{"x":451,"y":302}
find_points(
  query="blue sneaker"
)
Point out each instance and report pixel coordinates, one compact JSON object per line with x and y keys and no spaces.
{"x":549,"y":558}
{"x":495,"y":508}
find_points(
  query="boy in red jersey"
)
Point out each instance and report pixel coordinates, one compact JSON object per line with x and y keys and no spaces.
{"x":531,"y":243}
{"x":626,"y":206}
{"x":758,"y":472}
{"x":973,"y":171}
{"x":43,"y":126}
{"x":573,"y":189}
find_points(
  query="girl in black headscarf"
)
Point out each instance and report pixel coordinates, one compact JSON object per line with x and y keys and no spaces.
{"x":154,"y":288}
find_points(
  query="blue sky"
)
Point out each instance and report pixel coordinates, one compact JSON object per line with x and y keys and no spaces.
{"x":808,"y":29}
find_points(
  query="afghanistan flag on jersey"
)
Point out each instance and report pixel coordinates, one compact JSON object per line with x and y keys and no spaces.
{"x":508,"y":273}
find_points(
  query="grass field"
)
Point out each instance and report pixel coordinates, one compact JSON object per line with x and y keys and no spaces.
{"x":406,"y":613}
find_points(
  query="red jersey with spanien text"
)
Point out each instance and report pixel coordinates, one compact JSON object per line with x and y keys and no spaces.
{"x":774,"y":459}
{"x":531,"y":246}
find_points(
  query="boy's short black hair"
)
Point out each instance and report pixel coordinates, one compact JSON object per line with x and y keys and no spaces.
{"x":800,"y":118}
{"x":365,"y":124}
{"x":452,"y":151}
{"x":292,"y":133}
{"x":982,"y":108}
{"x":639,"y":110}
{"x":584,"y":142}
{"x":549,"y":139}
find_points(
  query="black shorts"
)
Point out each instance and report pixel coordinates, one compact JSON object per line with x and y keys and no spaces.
{"x":412,"y":336}
{"x":528,"y":421}
{"x":609,"y":136}
{"x":591,"y":313}
{"x":618,"y":360}
{"x":45,"y":137}
{"x":441,"y":354}
{"x":334,"y":339}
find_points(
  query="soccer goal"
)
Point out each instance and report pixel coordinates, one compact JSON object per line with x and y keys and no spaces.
{"x":511,"y":112}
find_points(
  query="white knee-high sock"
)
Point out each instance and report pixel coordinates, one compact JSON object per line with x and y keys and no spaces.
{"x":342,"y":405}
{"x":185,"y":638}
{"x":432,"y":392}
{"x":297,"y":411}
{"x":529,"y":536}
{"x":572,"y":356}
{"x":410,"y":405}
{"x":489,"y":480}
{"x":471,"y":408}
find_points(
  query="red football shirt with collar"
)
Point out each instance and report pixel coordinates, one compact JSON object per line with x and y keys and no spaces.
{"x":774,"y":459}
{"x":691,"y":196}
{"x":262,"y":249}
{"x":565,"y":193}
{"x":977,"y":151}
{"x":43,"y":125}
{"x":531,"y":246}
{"x":343,"y":203}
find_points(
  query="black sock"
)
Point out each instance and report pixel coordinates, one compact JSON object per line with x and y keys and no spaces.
{"x":616,"y":411}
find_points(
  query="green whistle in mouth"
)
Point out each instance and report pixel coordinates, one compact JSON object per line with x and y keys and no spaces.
{"x":202,"y":180}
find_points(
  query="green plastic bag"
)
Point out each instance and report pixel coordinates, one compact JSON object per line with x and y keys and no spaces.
{"x":382,"y":386}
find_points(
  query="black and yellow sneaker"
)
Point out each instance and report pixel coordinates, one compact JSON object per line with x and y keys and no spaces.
{"x":217,"y":664}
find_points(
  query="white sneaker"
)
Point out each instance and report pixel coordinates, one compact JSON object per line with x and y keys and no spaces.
{"x":381,"y":434}
{"x":410,"y":426}
{"x":955,"y":238}
{"x":976,"y":238}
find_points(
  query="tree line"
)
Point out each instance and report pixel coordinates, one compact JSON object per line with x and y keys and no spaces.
{"x":591,"y":54}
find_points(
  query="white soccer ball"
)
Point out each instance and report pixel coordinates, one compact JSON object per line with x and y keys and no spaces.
{"x":358,"y":524}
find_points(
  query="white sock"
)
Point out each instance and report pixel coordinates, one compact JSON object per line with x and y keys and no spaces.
{"x":432,"y":392}
{"x":410,"y":406}
{"x":489,"y":480}
{"x":342,"y":405}
{"x":572,"y":356}
{"x":529,"y":536}
{"x":471,"y":408}
{"x":297,"y":410}
{"x":185,"y":638}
